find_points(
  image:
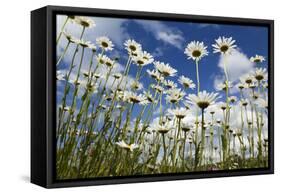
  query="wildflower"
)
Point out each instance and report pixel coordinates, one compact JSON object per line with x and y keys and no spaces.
{"x":136,"y":85}
{"x":163,"y":127}
{"x":232,"y":99}
{"x":92,"y":47}
{"x":155,"y":75}
{"x":241,"y":86}
{"x":196,"y":50}
{"x":84,"y":43}
{"x":175,"y":95}
{"x":132,"y":97}
{"x":222,"y":105}
{"x":244,"y":102}
{"x":260,"y":74}
{"x":105,"y":43}
{"x":185,"y":126}
{"x":158,"y":88}
{"x":132,"y":46}
{"x":97,"y":75}
{"x":101,"y":58}
{"x":84,"y":21}
{"x":149,"y":97}
{"x":247,"y":78}
{"x":212,"y":109}
{"x":223,"y":86}
{"x":257,"y":59}
{"x":109,"y":62}
{"x":186,"y":82}
{"x":180,"y":113}
{"x":117,"y":75}
{"x":165,"y":69}
{"x":203,"y":100}
{"x":143,"y":58}
{"x":224,"y":45}
{"x":70,"y":38}
{"x":170,"y":84}
{"x":130,"y":147}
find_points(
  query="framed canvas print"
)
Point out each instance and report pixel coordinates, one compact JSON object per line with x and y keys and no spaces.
{"x":124,"y":96}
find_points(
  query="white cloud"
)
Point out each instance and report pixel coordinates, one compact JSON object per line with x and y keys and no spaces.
{"x":158,"y":52}
{"x":164,"y":33}
{"x":113,"y":28}
{"x":237,"y":65}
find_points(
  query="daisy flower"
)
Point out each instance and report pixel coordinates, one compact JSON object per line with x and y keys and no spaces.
{"x":232,"y":99}
{"x":257,"y":59}
{"x":175,"y":95}
{"x":247,"y":79}
{"x":125,"y":146}
{"x":84,"y":21}
{"x":165,"y":69}
{"x":101,"y":58}
{"x":163,"y":127}
{"x":222,"y":105}
{"x":222,"y":86}
{"x":143,"y":59}
{"x":196,"y":50}
{"x":212,"y":109}
{"x":158,"y":88}
{"x":97,"y":75}
{"x":117,"y":75}
{"x":92,"y":47}
{"x":185,"y":126}
{"x":136,"y":85}
{"x":260,"y":74}
{"x":132,"y":46}
{"x":155,"y":75}
{"x":180,"y":113}
{"x":203,"y":99}
{"x":186,"y":82}
{"x":84,"y":43}
{"x":132,"y":97}
{"x":224,"y":45}
{"x":244,"y":102}
{"x":241,"y":86}
{"x":71,"y":38}
{"x":105,"y":43}
{"x":169,"y":84}
{"x":109,"y":62}
{"x":149,"y":96}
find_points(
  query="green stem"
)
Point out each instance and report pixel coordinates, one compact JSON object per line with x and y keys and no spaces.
{"x":64,"y":52}
{"x":61,"y":31}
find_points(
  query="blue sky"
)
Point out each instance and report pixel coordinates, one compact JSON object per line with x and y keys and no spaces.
{"x":250,"y":40}
{"x":167,"y":40}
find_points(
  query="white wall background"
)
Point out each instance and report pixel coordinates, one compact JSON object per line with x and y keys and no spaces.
{"x":15,"y":94}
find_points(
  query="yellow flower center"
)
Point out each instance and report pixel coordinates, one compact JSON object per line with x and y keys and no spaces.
{"x":224,"y":48}
{"x":104,"y":44}
{"x":196,"y":53}
{"x":203,"y":104}
{"x":132,"y":48}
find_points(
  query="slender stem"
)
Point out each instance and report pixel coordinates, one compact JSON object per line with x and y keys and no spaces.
{"x":64,"y":52}
{"x":197,"y":76}
{"x":62,"y":29}
{"x":164,"y":149}
{"x":202,"y":136}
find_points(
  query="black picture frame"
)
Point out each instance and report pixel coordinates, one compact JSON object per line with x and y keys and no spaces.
{"x":43,"y":82}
